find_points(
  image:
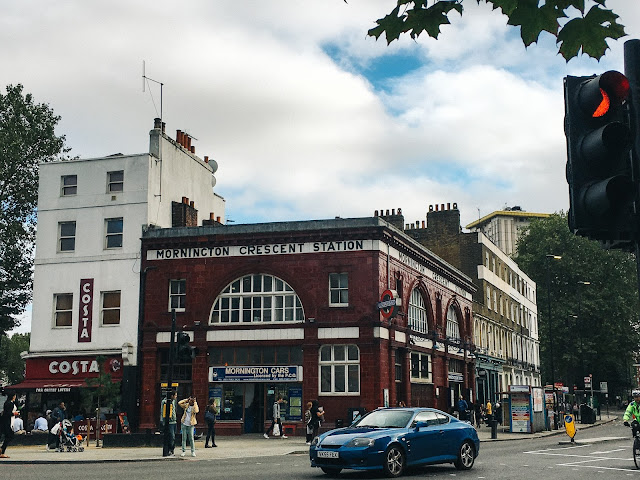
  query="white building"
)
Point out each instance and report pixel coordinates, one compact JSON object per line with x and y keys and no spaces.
{"x":87,"y":277}
{"x":503,"y":227}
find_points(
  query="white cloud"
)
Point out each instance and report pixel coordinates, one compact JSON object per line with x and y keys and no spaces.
{"x":297,"y":134}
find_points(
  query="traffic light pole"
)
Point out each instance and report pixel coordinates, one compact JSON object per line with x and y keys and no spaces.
{"x":632,"y":72}
{"x":168,"y":399}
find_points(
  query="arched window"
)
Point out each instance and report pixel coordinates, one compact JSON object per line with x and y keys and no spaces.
{"x":257,"y":298}
{"x":417,"y":313}
{"x":453,"y":327}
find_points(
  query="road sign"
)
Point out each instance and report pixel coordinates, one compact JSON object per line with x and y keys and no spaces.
{"x":604,"y":388}
{"x":587,"y":380}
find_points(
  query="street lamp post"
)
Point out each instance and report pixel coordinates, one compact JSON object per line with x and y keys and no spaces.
{"x":581,"y":282}
{"x":553,"y":369}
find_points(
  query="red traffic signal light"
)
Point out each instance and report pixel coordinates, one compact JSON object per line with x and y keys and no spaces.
{"x":602,"y":188}
{"x":598,"y":95}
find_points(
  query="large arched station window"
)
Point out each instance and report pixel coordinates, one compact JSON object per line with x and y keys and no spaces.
{"x":257,"y":298}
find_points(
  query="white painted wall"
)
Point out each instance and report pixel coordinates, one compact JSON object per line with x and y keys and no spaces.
{"x":152,"y":181}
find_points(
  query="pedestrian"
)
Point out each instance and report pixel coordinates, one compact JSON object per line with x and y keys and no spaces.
{"x":498,"y":412}
{"x":477,"y":408}
{"x":276,"y":420}
{"x":307,"y":423}
{"x":18,"y":424}
{"x":463,"y":406}
{"x":489,"y":410}
{"x":5,"y":423}
{"x":188,"y":422}
{"x":210,"y":417}
{"x":41,"y":425}
{"x":59,"y":413}
{"x":172,"y":419}
{"x":317,"y":415}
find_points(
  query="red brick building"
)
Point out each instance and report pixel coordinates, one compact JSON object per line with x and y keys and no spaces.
{"x":293,"y":308}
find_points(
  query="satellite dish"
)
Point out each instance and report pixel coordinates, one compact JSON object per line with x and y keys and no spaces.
{"x":214,"y":165}
{"x":213,"y":181}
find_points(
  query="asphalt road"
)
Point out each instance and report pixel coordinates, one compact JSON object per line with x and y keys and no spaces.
{"x":535,"y":459}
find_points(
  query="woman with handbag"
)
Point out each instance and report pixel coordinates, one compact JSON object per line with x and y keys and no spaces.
{"x":210,"y":417}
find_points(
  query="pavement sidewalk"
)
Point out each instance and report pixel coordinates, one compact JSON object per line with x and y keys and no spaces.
{"x":248,"y":445}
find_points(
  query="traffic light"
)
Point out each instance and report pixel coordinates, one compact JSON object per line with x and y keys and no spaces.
{"x":184,"y":350}
{"x":602,"y":187}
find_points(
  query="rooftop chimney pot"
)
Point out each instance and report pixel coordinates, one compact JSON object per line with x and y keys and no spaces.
{"x":157,"y":123}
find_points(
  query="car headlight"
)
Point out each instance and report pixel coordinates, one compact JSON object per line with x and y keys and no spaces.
{"x":361,"y":442}
{"x":315,"y":441}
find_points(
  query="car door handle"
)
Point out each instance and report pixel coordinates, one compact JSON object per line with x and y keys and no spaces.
{"x":441,"y":432}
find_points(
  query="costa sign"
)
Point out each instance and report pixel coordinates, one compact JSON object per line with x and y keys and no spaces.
{"x":75,"y":367}
{"x":389,"y":303}
{"x":86,"y":310}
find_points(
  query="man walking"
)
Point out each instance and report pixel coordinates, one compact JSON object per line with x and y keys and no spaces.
{"x":276,"y":419}
{"x":172,"y":419}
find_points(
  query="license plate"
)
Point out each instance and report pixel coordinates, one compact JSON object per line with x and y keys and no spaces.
{"x":328,"y":454}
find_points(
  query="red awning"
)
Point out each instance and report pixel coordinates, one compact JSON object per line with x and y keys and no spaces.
{"x":47,"y":385}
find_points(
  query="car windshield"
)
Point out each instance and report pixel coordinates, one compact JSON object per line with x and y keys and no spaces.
{"x":385,"y":419}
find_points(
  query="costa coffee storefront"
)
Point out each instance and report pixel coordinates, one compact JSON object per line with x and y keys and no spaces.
{"x":60,"y":379}
{"x":351,"y":312}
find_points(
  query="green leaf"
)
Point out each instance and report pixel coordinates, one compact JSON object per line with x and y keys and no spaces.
{"x":429,"y":19}
{"x":392,"y":25}
{"x":507,"y":6}
{"x":589,"y":33}
{"x":533,"y":20}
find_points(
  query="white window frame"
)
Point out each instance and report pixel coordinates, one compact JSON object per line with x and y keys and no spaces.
{"x":336,"y":364}
{"x":108,"y":235}
{"x":418,"y":319}
{"x":112,"y":184}
{"x":72,"y":186}
{"x":180,"y":295}
{"x":57,"y":311}
{"x":110,"y":309}
{"x":423,"y":358}
{"x":257,"y":298}
{"x":453,"y":323}
{"x":340,"y":289}
{"x":66,"y":237}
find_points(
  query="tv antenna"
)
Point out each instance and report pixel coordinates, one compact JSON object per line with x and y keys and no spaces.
{"x":146,"y":80}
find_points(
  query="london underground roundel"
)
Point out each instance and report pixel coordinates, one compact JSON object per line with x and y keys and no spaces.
{"x":389,"y":303}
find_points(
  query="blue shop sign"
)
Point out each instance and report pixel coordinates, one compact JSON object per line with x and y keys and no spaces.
{"x":255,"y":374}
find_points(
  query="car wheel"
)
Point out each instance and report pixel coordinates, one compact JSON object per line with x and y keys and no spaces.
{"x":466,"y":456}
{"x":332,"y":472}
{"x":394,"y":461}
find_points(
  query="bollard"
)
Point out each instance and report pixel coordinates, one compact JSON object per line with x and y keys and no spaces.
{"x":494,"y":429}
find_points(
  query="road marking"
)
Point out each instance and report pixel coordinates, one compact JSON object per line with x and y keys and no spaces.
{"x":609,"y":451}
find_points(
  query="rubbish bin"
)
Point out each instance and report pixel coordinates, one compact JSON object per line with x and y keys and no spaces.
{"x":587,"y":414}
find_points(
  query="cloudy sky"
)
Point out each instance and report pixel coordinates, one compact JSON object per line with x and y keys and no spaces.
{"x":307,"y":117}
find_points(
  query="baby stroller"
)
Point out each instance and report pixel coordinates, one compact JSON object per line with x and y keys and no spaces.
{"x":68,"y":442}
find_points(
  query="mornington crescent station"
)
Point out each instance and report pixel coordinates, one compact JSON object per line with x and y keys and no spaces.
{"x":351,"y":312}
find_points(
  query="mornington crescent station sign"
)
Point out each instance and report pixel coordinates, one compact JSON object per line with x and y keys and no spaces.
{"x":220,"y":251}
{"x":267,"y":249}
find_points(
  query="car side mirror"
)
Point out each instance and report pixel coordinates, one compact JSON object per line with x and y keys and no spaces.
{"x":420,"y":425}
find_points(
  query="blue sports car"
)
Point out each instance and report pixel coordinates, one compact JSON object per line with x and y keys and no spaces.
{"x":393,"y":439}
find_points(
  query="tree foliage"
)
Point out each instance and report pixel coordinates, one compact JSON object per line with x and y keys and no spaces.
{"x":594,"y":329}
{"x":27,"y":138}
{"x":11,"y":363}
{"x":585,"y":30}
{"x":102,"y":391}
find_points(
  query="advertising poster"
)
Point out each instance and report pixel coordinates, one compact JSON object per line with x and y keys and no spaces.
{"x":520,"y":413}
